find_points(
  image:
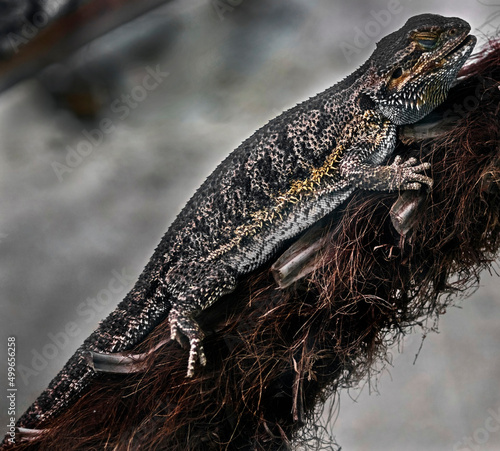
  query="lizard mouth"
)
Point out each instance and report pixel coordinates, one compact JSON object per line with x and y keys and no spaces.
{"x":448,"y":61}
{"x":464,"y":46}
{"x":454,"y":52}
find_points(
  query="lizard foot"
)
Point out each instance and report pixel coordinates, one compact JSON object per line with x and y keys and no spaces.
{"x":407,"y":174}
{"x":182,"y":327}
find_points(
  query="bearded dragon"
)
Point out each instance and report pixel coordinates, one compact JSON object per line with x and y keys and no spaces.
{"x":288,"y":175}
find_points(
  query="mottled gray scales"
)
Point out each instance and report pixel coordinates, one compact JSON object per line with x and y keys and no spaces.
{"x":286,"y":176}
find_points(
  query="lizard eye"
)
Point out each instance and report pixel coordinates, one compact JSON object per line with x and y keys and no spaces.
{"x":426,"y":40}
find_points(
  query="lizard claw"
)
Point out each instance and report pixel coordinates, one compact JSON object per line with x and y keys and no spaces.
{"x":182,"y":328}
{"x":407,"y":174}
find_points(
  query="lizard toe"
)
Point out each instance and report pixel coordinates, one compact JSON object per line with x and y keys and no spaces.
{"x":196,"y":353}
{"x":408,"y":163}
{"x":184,"y":328}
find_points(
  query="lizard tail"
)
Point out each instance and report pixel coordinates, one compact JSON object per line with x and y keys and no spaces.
{"x":133,"y":319}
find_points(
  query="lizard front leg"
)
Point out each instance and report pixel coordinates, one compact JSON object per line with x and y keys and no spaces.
{"x":400,"y":175}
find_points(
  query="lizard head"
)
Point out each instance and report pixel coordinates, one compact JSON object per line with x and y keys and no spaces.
{"x":414,"y":67}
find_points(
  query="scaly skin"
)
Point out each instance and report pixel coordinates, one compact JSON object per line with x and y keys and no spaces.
{"x":285,"y":177}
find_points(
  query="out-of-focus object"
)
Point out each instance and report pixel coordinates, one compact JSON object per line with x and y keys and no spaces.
{"x":37,"y":33}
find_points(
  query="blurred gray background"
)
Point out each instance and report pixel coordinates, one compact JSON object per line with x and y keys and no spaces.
{"x":66,"y":231}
